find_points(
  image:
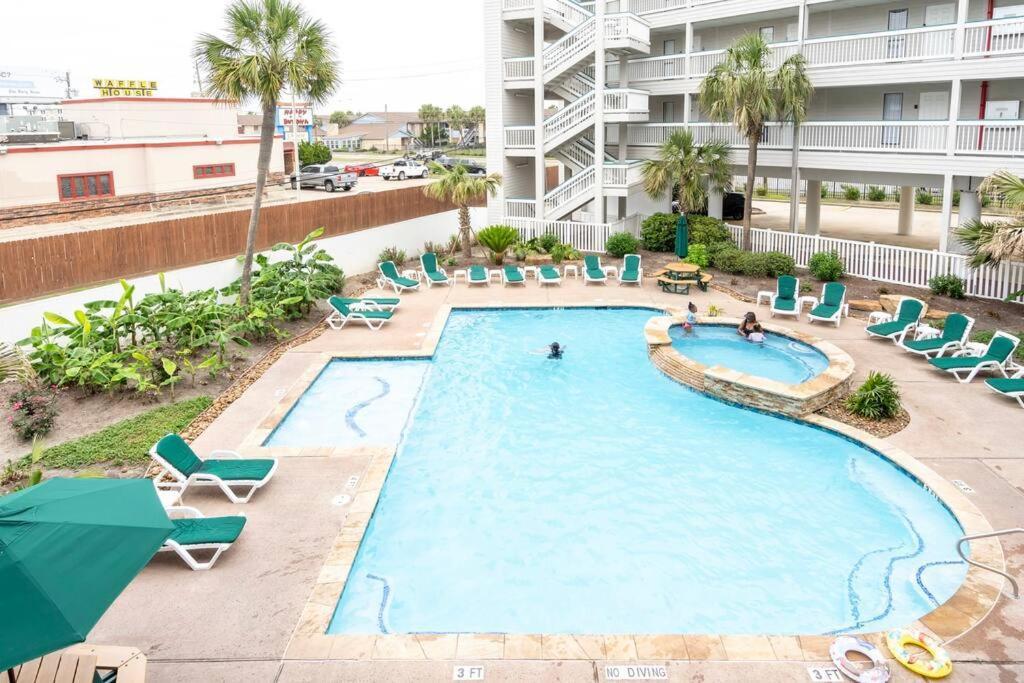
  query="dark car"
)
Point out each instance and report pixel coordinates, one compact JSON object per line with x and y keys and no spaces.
{"x":473,"y":166}
{"x":732,"y":207}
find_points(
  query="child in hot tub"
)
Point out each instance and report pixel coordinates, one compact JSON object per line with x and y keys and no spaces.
{"x":756,"y":336}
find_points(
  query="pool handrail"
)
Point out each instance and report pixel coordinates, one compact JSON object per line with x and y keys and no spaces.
{"x":960,"y":552}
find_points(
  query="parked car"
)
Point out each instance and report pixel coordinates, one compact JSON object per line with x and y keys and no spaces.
{"x":404,"y":168}
{"x":473,"y":166}
{"x":362,"y":170}
{"x":732,"y":207}
{"x":329,"y":178}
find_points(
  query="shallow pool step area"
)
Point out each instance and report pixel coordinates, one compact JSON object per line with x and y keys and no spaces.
{"x":354,"y":403}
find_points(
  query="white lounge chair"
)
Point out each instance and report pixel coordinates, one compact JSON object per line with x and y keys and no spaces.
{"x":433,"y":273}
{"x":784,"y":301}
{"x":478,"y":275}
{"x":998,"y":357}
{"x":928,"y":342}
{"x":548,"y":275}
{"x":593,"y":271}
{"x":344,"y":313}
{"x":1012,"y":387}
{"x":511,"y":275}
{"x":179,"y":462}
{"x":908,"y":314}
{"x":389,"y":276}
{"x":196,"y":533}
{"x":632,"y":273}
{"x":832,"y":307}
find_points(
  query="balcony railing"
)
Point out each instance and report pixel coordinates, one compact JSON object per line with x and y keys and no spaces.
{"x":994,"y":37}
{"x":990,"y":137}
{"x":521,"y":137}
{"x":875,"y":136}
{"x":521,"y":208}
{"x":914,"y":44}
{"x":519,"y":69}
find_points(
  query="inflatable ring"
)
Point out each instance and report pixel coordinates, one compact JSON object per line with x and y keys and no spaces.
{"x":879,"y":671}
{"x":939,"y":666}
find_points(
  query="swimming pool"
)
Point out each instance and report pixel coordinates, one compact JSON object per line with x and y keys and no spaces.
{"x":778,"y":358}
{"x":595,"y":495}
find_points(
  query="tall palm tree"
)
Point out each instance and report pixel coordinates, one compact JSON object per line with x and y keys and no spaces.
{"x":268,"y":47}
{"x":460,"y":188}
{"x":696,"y":169}
{"x":996,"y":241}
{"x":456,"y":117}
{"x":746,"y":89}
{"x":476,"y":116}
{"x":431,"y":116}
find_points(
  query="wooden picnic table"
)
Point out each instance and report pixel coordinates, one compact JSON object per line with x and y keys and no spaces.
{"x":683,"y":269}
{"x":677,"y":277}
{"x":79,"y":663}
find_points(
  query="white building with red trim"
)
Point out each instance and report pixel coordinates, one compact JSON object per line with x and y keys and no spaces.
{"x":131,"y":154}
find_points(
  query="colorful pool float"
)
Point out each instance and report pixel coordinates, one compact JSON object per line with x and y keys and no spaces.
{"x":939,"y":665}
{"x":879,"y":671}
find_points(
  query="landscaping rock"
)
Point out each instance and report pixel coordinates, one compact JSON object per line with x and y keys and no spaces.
{"x":867,"y":305}
{"x":890,"y":302}
{"x":537,"y":259}
{"x":934,"y":314}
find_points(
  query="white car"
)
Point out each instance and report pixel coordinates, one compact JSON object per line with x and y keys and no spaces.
{"x":404,"y":168}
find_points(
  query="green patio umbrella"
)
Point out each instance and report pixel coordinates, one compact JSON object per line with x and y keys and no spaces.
{"x":68,"y":547}
{"x":682,"y":237}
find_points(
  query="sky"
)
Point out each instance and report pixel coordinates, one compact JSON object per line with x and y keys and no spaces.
{"x":394,"y":53}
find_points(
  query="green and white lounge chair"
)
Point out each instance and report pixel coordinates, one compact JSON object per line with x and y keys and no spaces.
{"x":379,"y":303}
{"x":631,"y":273}
{"x":548,"y":275}
{"x":955,"y":333}
{"x":434,"y":274}
{"x":784,"y":299}
{"x":592,"y":270}
{"x":511,"y":275}
{"x":1012,"y":387}
{"x":185,"y":468}
{"x":195,"y":533}
{"x":344,"y":313}
{"x":478,"y":275}
{"x":833,"y":305}
{"x":908,"y":314}
{"x":389,"y":276}
{"x":998,"y":356}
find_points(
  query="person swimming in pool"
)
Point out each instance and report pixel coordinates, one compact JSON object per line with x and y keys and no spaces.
{"x":554,"y":351}
{"x":691,"y":318}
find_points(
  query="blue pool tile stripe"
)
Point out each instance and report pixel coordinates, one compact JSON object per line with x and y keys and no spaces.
{"x":920,"y":581}
{"x":385,"y":593}
{"x":350,"y":415}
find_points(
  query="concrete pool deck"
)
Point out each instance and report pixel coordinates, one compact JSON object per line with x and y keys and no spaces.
{"x":236,"y":621}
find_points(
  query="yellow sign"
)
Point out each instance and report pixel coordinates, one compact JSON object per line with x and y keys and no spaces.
{"x":110,"y":87}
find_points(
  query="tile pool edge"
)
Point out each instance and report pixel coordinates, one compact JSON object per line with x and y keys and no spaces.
{"x":968,"y":607}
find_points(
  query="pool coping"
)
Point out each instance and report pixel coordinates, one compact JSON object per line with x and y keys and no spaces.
{"x":969,"y":605}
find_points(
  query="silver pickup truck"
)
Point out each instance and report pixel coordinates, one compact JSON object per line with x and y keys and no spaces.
{"x":327,"y":177}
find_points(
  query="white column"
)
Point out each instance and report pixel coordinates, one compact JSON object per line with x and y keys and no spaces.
{"x":599,"y":81}
{"x":801,"y":25}
{"x":715,"y":200}
{"x":794,"y":183}
{"x":958,"y":33}
{"x":687,"y":105}
{"x":812,"y":221}
{"x":689,"y":45}
{"x":956,"y":89}
{"x":947,"y":213}
{"x":906,"y":219}
{"x":539,"y":170}
{"x":623,"y":128}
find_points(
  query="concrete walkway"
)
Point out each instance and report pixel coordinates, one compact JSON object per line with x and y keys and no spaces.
{"x":234,"y":623}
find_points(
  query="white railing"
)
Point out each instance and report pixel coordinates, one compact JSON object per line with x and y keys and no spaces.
{"x":656,"y":68}
{"x":578,"y":85}
{"x":884,"y":46}
{"x":582,"y":236}
{"x":995,"y":137}
{"x":875,"y":136}
{"x":570,"y":49}
{"x":520,"y":136}
{"x":519,"y":68}
{"x":578,"y":154}
{"x":654,"y":134}
{"x":513,"y":5}
{"x":568,"y":11}
{"x":703,"y":62}
{"x":571,"y":119}
{"x":621,"y":175}
{"x":994,"y":37}
{"x":630,"y":224}
{"x":562,"y":197}
{"x":888,"y":263}
{"x":627,"y":31}
{"x":521,"y":208}
{"x":626,"y":101}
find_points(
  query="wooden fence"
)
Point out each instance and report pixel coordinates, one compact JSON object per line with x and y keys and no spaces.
{"x":43,"y":265}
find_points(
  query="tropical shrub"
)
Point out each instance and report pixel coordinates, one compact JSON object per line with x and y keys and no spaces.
{"x":392,"y":254}
{"x":824,"y":191}
{"x":948,"y":285}
{"x":33,"y":412}
{"x":698,"y":255}
{"x":877,"y":398}
{"x":547,"y":242}
{"x":761,"y":191}
{"x":313,"y":153}
{"x":753,"y":264}
{"x":727,"y":259}
{"x":621,"y":243}
{"x":659,"y":232}
{"x":923,"y":197}
{"x":706,"y":230}
{"x":826,"y":266}
{"x":497,"y":239}
{"x":564,"y":252}
{"x":851,"y":193}
{"x":876,"y":194}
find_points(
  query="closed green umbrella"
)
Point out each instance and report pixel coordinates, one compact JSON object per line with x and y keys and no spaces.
{"x":68,"y":547}
{"x":682,"y":237}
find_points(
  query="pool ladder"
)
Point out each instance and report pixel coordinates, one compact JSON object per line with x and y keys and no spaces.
{"x":960,"y":551}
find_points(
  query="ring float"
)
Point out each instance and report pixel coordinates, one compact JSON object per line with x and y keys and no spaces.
{"x":879,"y":671}
{"x":938,"y":666}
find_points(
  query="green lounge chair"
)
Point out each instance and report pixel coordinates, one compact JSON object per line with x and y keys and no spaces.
{"x":389,"y":276}
{"x":631,"y":273}
{"x":833,"y":304}
{"x":998,"y":356}
{"x":194,"y":533}
{"x":1012,"y":387}
{"x":784,"y":299}
{"x":908,"y":314}
{"x":548,"y":275}
{"x":432,"y":272}
{"x":344,"y":313}
{"x":511,"y":275}
{"x":179,"y":461}
{"x":592,"y":270}
{"x":380,"y":303}
{"x":478,"y":275}
{"x":955,"y":334}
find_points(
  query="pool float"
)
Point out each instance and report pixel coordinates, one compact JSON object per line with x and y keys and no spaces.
{"x":879,"y":671}
{"x":938,"y":666}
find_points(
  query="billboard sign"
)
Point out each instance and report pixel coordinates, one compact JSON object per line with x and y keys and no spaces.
{"x":30,"y":85}
{"x":119,"y":87}
{"x":301,"y":115}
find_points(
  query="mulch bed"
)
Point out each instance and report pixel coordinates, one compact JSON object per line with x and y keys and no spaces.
{"x":880,"y":428}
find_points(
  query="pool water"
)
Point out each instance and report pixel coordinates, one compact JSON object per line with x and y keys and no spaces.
{"x":779,"y":358}
{"x":593,"y":494}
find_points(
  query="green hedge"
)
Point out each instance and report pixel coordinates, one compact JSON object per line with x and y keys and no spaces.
{"x":753,"y":264}
{"x":659,"y":232}
{"x":126,"y":442}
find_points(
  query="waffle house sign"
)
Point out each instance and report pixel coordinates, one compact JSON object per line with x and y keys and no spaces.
{"x":110,"y":87}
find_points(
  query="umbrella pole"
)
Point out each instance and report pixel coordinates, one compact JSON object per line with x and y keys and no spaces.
{"x":10,"y":675}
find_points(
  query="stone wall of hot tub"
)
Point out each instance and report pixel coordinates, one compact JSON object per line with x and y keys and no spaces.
{"x":795,"y":400}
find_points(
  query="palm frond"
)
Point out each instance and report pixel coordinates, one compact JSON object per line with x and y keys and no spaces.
{"x":1009,"y":185}
{"x":14,"y":364}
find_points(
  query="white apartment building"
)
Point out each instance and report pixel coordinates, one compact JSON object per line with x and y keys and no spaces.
{"x":915,"y":93}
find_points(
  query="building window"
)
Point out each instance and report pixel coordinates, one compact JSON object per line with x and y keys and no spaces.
{"x":77,"y":186}
{"x":213,"y":171}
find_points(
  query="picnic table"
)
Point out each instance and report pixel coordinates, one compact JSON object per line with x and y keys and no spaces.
{"x":80,"y":663}
{"x":676,"y":278}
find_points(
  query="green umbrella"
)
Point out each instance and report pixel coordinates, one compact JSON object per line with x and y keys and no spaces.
{"x":68,"y":547}
{"x":682,"y":237}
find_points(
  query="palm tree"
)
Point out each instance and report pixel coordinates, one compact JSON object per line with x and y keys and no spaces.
{"x":476,"y":116}
{"x":269,"y":46}
{"x":431,"y":115}
{"x":745,"y":89}
{"x":456,"y":117}
{"x":694,"y":168}
{"x":460,"y":188}
{"x":996,"y":241}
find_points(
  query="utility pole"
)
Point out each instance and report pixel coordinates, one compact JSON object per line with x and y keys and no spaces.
{"x":295,"y":152}
{"x":387,"y":138}
{"x":199,"y":79}
{"x":67,"y":84}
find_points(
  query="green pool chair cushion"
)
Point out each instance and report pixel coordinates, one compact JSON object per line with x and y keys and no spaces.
{"x":179,"y":454}
{"x":631,"y":268}
{"x":953,"y":331}
{"x":477,"y":274}
{"x":1007,"y":386}
{"x":237,"y":470}
{"x":375,"y":315}
{"x":512,"y":274}
{"x":390,"y":271}
{"x":933,"y":344}
{"x":207,"y":530}
{"x":592,"y":265}
{"x":381,"y":301}
{"x":821,"y":310}
{"x":889,"y":328}
{"x":549,"y":273}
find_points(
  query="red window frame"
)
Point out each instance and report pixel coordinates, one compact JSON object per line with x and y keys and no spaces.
{"x":86,"y":187}
{"x":204,"y":171}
